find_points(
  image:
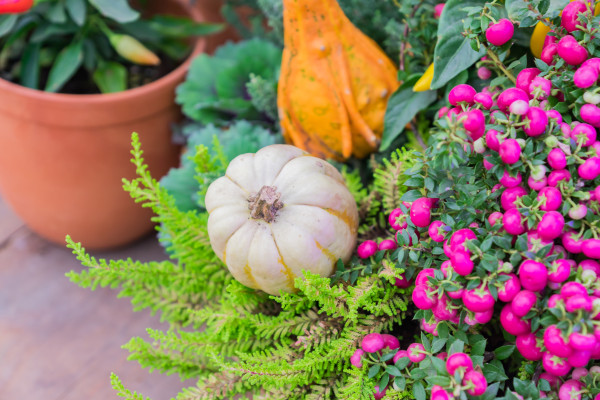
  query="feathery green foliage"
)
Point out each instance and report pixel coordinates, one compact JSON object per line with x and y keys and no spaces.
{"x":237,"y":340}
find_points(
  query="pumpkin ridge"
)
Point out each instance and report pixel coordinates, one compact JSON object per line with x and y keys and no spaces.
{"x":248,"y":272}
{"x":326,"y":251}
{"x":287,"y":271}
{"x":347,"y":219}
{"x":237,"y":184}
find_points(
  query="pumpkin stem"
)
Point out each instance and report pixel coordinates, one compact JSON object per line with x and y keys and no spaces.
{"x":265,"y":204}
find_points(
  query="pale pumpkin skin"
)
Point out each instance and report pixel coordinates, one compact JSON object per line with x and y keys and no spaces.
{"x":315,"y":225}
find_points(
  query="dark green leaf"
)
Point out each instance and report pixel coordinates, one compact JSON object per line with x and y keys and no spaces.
{"x":385,"y":379}
{"x":400,"y":383}
{"x":438,"y":344}
{"x":478,"y":348}
{"x":439,"y":365}
{"x":491,"y":392}
{"x":402,"y":363}
{"x":456,"y":347}
{"x":57,"y":14}
{"x":453,"y":53}
{"x":119,"y":10}
{"x":110,"y":77}
{"x":66,"y":64}
{"x":7,"y":22}
{"x":439,"y":380}
{"x":419,"y":391}
{"x":374,"y":370}
{"x":403,"y":105}
{"x":392,"y":370}
{"x":30,"y":66}
{"x":503,"y":352}
{"x":77,"y":10}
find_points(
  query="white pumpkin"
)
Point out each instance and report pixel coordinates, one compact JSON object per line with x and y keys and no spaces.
{"x":278,"y":212}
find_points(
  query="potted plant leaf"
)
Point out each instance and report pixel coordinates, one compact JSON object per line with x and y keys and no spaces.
{"x":76,"y":78}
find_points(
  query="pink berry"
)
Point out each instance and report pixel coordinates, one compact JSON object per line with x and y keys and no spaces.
{"x":510,"y":181}
{"x":388,"y":244}
{"x":578,"y":212}
{"x":510,"y":151}
{"x":551,"y":198}
{"x":580,"y":341}
{"x":491,"y":139}
{"x":585,"y":133}
{"x":551,"y":225}
{"x":420,"y":212}
{"x":568,"y":18}
{"x":462,"y":93}
{"x":571,"y":51}
{"x":572,"y":289}
{"x":579,"y":302}
{"x":592,"y":62}
{"x":462,"y":263}
{"x":367,"y":248}
{"x":400,"y":354}
{"x":555,"y":343}
{"x":555,"y":115}
{"x":485,"y":99}
{"x":508,"y":96}
{"x":458,"y":239}
{"x":548,"y":52}
{"x":356,"y":358}
{"x":537,"y":184}
{"x":429,"y":328}
{"x":559,"y":271}
{"x":519,"y":107}
{"x":556,"y":176}
{"x":478,"y":300}
{"x":379,"y":394}
{"x":585,"y":77}
{"x":494,"y":217}
{"x":533,"y":275}
{"x":416,"y":352}
{"x":500,"y":32}
{"x":513,"y":324}
{"x":540,"y":88}
{"x":436,"y":231}
{"x":557,"y":159}
{"x":474,"y":123}
{"x":402,"y":282}
{"x":579,"y":358}
{"x":422,"y":298}
{"x":571,"y":242}
{"x":591,"y":248}
{"x":484,"y":73}
{"x":525,"y":77}
{"x":458,"y":360}
{"x":555,"y":365}
{"x":512,"y":221}
{"x":590,"y":114}
{"x":528,"y":347}
{"x":477,"y":381}
{"x":437,"y":10}
{"x":372,"y":343}
{"x":423,"y":277}
{"x":390,"y":341}
{"x":523,"y":302}
{"x":571,"y":389}
{"x":590,"y":169}
{"x":538,"y":121}
{"x":579,"y":373}
{"x":509,"y":289}
{"x":394,"y":220}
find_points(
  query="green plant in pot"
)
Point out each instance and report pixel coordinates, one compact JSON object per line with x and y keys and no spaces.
{"x":76,"y":78}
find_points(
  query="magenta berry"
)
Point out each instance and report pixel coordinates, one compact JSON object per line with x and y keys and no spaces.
{"x":423,"y":277}
{"x":590,"y":169}
{"x":559,"y":175}
{"x":568,"y":18}
{"x":590,"y":114}
{"x":571,"y":242}
{"x":422,"y":298}
{"x":548,"y":52}
{"x":402,"y":282}
{"x":459,"y":237}
{"x":394,"y":220}
{"x":485,"y":99}
{"x":478,"y":300}
{"x":528,"y":347}
{"x":510,"y":151}
{"x":372,"y":343}
{"x":510,"y":181}
{"x":584,"y":133}
{"x":356,"y":358}
{"x":494,"y":217}
{"x":462,"y":263}
{"x":540,"y":88}
{"x":491,"y":139}
{"x":578,"y":212}
{"x":509,"y":288}
{"x":533,"y":275}
{"x":513,"y":324}
{"x":500,"y":32}
{"x":462,"y":93}
{"x":366,"y":249}
{"x":579,"y":302}
{"x":555,"y":365}
{"x":523,"y":302}
{"x":537,"y":184}
{"x":585,"y":77}
{"x":559,"y":271}
{"x":591,"y":248}
{"x":571,"y":51}
{"x":579,"y":358}
{"x":387,"y":244}
{"x":379,"y":394}
{"x":557,"y":159}
{"x":420,"y":212}
{"x":525,"y":77}
{"x":508,"y":96}
{"x":580,"y":341}
{"x":538,"y":121}
{"x":484,"y":73}
{"x":474,"y":123}
{"x":519,"y":107}
{"x":436,"y":231}
{"x":570,"y":390}
{"x":476,"y":381}
{"x":551,"y":198}
{"x":555,"y":115}
{"x":416,"y":352}
{"x":555,"y":343}
{"x":551,"y":225}
{"x":400,"y":354}
{"x":513,"y":222}
{"x":437,"y":10}
{"x":390,"y":341}
{"x":458,"y":361}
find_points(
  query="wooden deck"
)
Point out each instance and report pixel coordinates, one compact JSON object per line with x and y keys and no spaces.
{"x":61,"y":342}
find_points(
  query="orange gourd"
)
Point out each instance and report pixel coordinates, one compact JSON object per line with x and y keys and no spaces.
{"x":335,"y":82}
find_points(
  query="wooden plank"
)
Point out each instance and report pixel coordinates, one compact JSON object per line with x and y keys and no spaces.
{"x":59,"y":341}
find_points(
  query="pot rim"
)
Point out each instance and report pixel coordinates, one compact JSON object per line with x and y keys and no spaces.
{"x":199,"y":46}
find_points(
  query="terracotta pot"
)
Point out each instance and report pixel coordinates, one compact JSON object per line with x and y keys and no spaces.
{"x":62,"y":156}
